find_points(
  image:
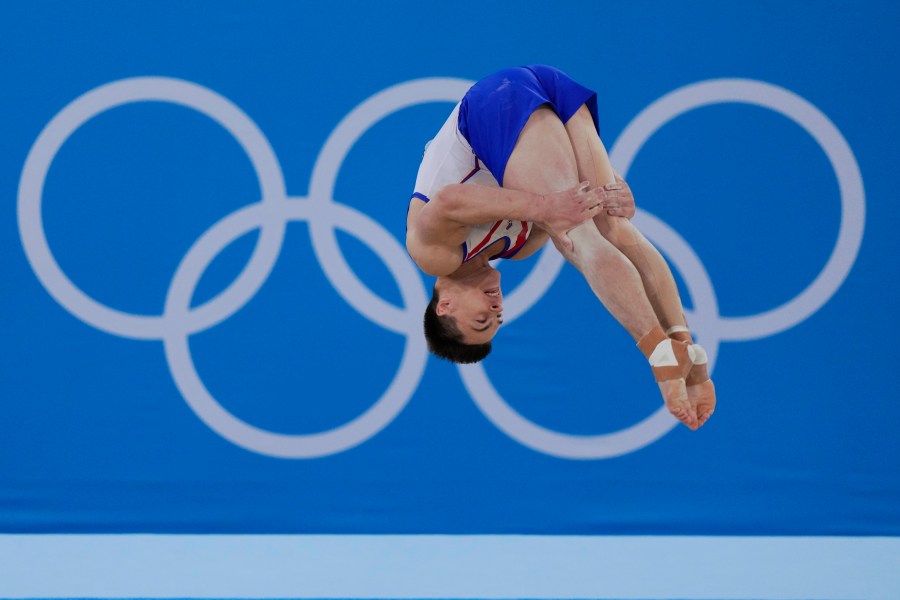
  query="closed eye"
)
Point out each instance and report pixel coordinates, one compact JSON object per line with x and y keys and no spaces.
{"x":480,"y":329}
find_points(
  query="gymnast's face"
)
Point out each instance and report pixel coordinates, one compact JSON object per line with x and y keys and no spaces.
{"x":475,"y":302}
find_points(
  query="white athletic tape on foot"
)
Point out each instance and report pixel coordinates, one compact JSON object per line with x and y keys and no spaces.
{"x":663,"y":355}
{"x":697,"y":354}
{"x":677,"y":329}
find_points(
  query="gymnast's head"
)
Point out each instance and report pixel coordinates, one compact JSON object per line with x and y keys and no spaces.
{"x":464,"y":315}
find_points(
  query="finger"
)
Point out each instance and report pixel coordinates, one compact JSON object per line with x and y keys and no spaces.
{"x":599,"y":195}
{"x":612,"y":186}
{"x":584,"y":186}
{"x":566,"y":242}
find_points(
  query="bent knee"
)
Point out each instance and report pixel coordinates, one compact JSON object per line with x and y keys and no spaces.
{"x":618,"y":230}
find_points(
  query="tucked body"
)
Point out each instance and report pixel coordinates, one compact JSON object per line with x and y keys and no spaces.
{"x":519,"y":161}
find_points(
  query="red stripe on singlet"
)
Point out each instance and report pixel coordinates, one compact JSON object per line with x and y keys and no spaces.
{"x":486,"y":239}
{"x":519,"y":240}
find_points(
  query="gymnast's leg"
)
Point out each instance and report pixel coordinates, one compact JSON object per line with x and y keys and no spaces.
{"x":659,"y":285}
{"x":544,"y":161}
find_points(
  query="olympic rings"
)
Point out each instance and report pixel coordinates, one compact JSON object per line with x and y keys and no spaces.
{"x":275,"y":209}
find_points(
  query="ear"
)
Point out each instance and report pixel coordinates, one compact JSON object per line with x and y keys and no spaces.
{"x":443,"y":307}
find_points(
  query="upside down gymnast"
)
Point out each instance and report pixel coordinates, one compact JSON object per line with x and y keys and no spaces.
{"x":519,"y":161}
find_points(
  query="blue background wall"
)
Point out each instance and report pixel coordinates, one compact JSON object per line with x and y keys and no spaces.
{"x":96,"y":435}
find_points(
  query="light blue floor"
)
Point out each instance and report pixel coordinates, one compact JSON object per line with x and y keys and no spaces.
{"x":429,"y":566}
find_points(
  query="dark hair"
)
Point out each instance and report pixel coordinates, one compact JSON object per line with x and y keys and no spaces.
{"x":445,"y":339}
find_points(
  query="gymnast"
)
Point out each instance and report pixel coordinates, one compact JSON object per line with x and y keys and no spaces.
{"x":519,"y":161}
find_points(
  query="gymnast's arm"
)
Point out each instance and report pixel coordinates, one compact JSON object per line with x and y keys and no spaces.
{"x":619,"y":202}
{"x":461,"y":205}
{"x":436,"y":229}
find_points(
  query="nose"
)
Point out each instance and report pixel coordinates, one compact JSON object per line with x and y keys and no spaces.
{"x":497,"y":306}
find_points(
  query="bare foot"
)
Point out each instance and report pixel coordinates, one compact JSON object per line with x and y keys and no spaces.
{"x":675,"y":394}
{"x":702,"y":397}
{"x":700,"y":389}
{"x":671,"y":360}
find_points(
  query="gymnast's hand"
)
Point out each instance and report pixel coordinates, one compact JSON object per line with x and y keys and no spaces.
{"x":618,"y":199}
{"x":563,"y":211}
